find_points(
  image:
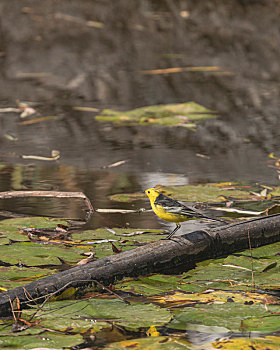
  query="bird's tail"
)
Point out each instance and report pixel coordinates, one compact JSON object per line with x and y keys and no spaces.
{"x":214,"y":219}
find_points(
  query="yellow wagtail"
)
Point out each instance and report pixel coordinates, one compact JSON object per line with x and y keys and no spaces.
{"x":171,"y":210}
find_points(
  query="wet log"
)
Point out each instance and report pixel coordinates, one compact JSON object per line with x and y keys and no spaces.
{"x":178,"y":254}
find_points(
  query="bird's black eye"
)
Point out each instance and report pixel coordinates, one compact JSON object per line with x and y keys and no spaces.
{"x":148,"y":191}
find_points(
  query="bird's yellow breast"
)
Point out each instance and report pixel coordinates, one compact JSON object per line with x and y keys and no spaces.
{"x":160,"y":211}
{"x":165,"y":215}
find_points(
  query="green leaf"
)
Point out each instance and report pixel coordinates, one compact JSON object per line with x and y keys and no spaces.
{"x":13,"y":276}
{"x":183,"y":114}
{"x":236,"y":317}
{"x":47,"y":340}
{"x":33,"y":254}
{"x":152,"y":343}
{"x":208,"y":193}
{"x":105,"y":249}
{"x":150,"y":285}
{"x":266,"y":343}
{"x":86,"y":314}
{"x":11,"y":228}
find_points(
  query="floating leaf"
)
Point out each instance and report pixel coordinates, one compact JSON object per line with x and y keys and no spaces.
{"x":152,"y":343}
{"x":49,"y":339}
{"x":230,"y":274}
{"x":32,"y":254}
{"x":209,"y":193}
{"x":265,"y":343}
{"x":13,"y":276}
{"x":85,"y":314}
{"x":12,"y":228}
{"x":238,"y":316}
{"x":39,"y":120}
{"x":183,"y":114}
{"x":150,"y":285}
{"x":214,"y":296}
{"x":152,"y":332}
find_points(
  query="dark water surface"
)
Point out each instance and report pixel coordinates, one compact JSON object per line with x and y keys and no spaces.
{"x":151,"y":155}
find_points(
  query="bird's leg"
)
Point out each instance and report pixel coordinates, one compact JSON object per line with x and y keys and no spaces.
{"x":172,"y":233}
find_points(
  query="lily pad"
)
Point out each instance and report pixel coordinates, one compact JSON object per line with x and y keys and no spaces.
{"x":12,"y":228}
{"x":234,"y":273}
{"x":239,"y":317}
{"x":125,"y":239}
{"x":13,"y":276}
{"x":208,"y":193}
{"x":32,"y":254}
{"x":152,"y":343}
{"x":213,"y":296}
{"x":150,"y":285}
{"x":265,"y":343}
{"x":183,"y":114}
{"x":117,"y":234}
{"x":93,"y":313}
{"x":46,"y":340}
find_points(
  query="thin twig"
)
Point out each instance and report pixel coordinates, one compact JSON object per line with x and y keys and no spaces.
{"x":117,"y":211}
{"x":50,"y":296}
{"x":12,"y":308}
{"x":111,"y":292}
{"x":63,"y":288}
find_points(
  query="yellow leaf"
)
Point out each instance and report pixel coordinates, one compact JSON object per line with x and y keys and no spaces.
{"x":224,"y":184}
{"x":67,"y":294}
{"x":152,"y":332}
{"x":222,"y":198}
{"x":38,"y":120}
{"x":218,"y":296}
{"x":274,"y":209}
{"x":266,"y":343}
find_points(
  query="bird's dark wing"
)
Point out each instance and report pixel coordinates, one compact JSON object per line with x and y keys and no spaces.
{"x":173,"y":206}
{"x":167,"y":202}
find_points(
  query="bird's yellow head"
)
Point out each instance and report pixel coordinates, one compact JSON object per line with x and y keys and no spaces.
{"x":152,"y":194}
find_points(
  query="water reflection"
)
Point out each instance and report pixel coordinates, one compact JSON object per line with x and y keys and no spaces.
{"x":144,"y":156}
{"x":89,"y":173}
{"x":97,"y":185}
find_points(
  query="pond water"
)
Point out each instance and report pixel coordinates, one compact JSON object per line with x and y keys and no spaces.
{"x":102,"y":159}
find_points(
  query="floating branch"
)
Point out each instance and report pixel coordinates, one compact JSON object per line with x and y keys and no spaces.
{"x":49,"y":194}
